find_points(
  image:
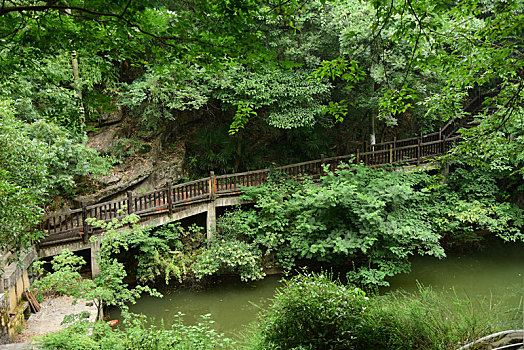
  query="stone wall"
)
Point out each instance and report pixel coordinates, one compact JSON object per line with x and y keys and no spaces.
{"x":14,"y":281}
{"x":4,"y":320}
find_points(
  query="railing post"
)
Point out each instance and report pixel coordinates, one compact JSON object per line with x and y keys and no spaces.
{"x":211,"y":219}
{"x":212,"y":185}
{"x":130,"y":206}
{"x":322,"y":162}
{"x":85,"y":237}
{"x":170,"y":199}
{"x":440,"y":133}
{"x":418,"y":150}
{"x":390,"y":153}
{"x":395,"y":142}
{"x":358,"y":155}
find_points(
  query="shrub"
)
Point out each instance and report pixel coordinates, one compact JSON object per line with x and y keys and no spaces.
{"x":66,"y":279}
{"x":75,"y":337}
{"x":313,"y":312}
{"x":137,"y":334}
{"x":67,"y":340}
{"x":230,"y":256}
{"x":374,"y":218}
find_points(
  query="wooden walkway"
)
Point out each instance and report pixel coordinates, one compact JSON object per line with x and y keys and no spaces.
{"x":72,"y":226}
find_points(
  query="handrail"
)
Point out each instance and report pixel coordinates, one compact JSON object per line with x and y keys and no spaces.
{"x":72,"y":224}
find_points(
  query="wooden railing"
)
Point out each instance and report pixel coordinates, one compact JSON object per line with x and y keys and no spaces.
{"x":71,"y":225}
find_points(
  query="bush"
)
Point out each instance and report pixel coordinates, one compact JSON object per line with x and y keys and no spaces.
{"x":137,"y":334}
{"x":65,"y":278}
{"x":75,"y":337}
{"x":375,"y":219}
{"x":230,"y":256}
{"x":313,"y":312}
{"x":67,"y":340}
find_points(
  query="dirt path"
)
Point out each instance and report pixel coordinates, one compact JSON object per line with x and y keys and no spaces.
{"x":52,"y":314}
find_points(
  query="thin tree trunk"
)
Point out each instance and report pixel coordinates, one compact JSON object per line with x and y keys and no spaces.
{"x":76,"y":78}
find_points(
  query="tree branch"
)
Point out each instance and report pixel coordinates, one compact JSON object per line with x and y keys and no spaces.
{"x":41,"y":8}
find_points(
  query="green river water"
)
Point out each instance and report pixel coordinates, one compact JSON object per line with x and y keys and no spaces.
{"x":497,"y":273}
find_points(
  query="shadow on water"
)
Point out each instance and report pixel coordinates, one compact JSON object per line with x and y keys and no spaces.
{"x":233,"y":304}
{"x":495,"y":273}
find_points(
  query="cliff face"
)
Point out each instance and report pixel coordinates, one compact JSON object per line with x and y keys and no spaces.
{"x":147,"y":160}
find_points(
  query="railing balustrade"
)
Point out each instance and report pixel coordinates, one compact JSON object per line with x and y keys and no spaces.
{"x":71,"y":225}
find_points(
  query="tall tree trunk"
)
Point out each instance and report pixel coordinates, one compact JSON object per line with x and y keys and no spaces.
{"x":76,"y":78}
{"x":372,"y":136}
{"x":239,"y":150}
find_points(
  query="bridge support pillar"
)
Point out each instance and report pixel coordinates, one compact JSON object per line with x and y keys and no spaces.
{"x":445,"y":170}
{"x":95,"y":248}
{"x":211,"y":222}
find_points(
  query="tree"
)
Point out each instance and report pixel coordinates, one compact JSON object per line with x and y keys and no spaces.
{"x":36,"y":162}
{"x":23,"y":183}
{"x":473,"y":47}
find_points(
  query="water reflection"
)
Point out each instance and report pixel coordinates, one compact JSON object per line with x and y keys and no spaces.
{"x":496,"y":273}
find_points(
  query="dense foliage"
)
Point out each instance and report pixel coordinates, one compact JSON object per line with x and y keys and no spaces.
{"x":108,"y":287}
{"x":252,"y":83}
{"x":165,"y":253}
{"x":258,"y":69}
{"x":65,"y":278}
{"x":136,"y":334}
{"x":230,"y":256}
{"x":315,"y":312}
{"x":373,"y":218}
{"x":36,"y":162}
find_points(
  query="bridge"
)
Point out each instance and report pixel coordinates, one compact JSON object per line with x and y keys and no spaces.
{"x":71,"y":230}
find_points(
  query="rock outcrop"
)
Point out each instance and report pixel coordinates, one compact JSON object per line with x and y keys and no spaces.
{"x":146,"y":162}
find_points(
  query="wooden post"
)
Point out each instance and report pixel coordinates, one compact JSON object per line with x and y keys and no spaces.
{"x":130,"y":206}
{"x":322,"y":162}
{"x":212,"y":185}
{"x":418,"y":151}
{"x":84,"y":222}
{"x":211,"y":219}
{"x":440,"y":133}
{"x":358,"y":156}
{"x":170,"y":199}
{"x":395,"y":142}
{"x":390,"y":153}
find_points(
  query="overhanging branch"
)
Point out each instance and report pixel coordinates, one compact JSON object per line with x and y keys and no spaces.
{"x":118,"y":16}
